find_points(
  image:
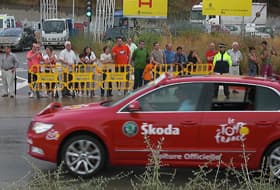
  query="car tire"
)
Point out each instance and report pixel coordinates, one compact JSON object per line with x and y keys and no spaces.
{"x":83,"y":156}
{"x":271,"y":161}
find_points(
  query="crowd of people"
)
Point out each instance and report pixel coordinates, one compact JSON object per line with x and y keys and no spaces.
{"x":223,"y":60}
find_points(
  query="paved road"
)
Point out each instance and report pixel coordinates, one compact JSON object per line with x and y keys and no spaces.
{"x":17,"y":166}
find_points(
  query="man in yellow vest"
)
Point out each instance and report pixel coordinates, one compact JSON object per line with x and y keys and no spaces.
{"x":222,"y":63}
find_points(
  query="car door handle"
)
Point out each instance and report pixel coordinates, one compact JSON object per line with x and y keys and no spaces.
{"x":264,"y":123}
{"x":188,"y":123}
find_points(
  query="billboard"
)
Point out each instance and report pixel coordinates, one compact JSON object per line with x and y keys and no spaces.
{"x":145,"y":8}
{"x":227,"y":8}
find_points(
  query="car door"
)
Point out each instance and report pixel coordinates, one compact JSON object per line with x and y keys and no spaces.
{"x":159,"y":125}
{"x":235,"y":129}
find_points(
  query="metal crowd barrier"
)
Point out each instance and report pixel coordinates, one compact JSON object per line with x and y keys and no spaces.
{"x":81,"y":77}
{"x":181,"y":70}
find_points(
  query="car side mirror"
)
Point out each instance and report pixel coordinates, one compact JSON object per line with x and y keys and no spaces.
{"x":134,"y":106}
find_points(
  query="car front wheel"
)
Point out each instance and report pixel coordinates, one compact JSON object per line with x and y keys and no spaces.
{"x":83,"y":155}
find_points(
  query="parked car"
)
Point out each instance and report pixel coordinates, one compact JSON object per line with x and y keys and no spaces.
{"x":113,"y":33}
{"x":233,"y":29}
{"x":17,"y":38}
{"x":198,"y":122}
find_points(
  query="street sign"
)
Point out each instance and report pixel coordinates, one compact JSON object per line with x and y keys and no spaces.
{"x":145,"y":8}
{"x":227,"y":8}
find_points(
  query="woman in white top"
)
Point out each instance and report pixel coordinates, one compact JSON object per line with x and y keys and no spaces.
{"x":50,"y":61}
{"x":89,"y":60}
{"x":106,"y":58}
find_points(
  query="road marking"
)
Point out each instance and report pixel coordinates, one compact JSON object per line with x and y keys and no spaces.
{"x":19,"y":84}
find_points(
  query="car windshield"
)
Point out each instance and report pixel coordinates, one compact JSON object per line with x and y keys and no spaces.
{"x":197,"y":15}
{"x":54,"y":26}
{"x":152,"y":83}
{"x":11,"y":32}
{"x":117,"y":101}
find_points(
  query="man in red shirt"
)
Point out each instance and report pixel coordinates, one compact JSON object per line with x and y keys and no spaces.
{"x":210,"y":53}
{"x":121,"y":56}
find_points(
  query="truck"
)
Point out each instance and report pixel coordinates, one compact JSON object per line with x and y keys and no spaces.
{"x":7,"y":21}
{"x":258,"y":17}
{"x":56,"y":31}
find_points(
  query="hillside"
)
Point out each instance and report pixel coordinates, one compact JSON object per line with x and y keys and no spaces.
{"x":175,"y":7}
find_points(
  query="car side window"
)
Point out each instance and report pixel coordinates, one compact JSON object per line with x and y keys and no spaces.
{"x":233,"y":97}
{"x":267,"y":99}
{"x":180,"y":97}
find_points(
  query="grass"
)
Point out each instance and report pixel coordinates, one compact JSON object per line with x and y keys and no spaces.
{"x":156,"y":178}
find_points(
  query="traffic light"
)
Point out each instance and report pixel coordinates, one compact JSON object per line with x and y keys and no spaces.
{"x":89,"y":9}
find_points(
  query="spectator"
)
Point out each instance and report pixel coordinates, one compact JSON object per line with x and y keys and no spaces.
{"x":158,"y":58}
{"x":253,"y":69}
{"x":193,"y":57}
{"x":140,"y":57}
{"x":106,"y":58}
{"x":185,"y":103}
{"x":132,"y":46}
{"x":90,"y":60}
{"x":68,"y":59}
{"x":266,"y":67}
{"x":222,"y":63}
{"x":34,"y":57}
{"x":210,"y":53}
{"x":50,"y":61}
{"x":121,"y":57}
{"x":236,"y":57}
{"x":180,"y":60}
{"x":169,"y":54}
{"x":9,"y":63}
{"x":148,"y":74}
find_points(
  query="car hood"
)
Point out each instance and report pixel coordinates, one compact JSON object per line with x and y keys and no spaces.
{"x":58,"y":108}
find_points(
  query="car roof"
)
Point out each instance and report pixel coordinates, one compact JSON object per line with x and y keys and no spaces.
{"x":231,"y":79}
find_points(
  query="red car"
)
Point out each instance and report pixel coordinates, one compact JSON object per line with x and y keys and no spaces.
{"x":208,"y":119}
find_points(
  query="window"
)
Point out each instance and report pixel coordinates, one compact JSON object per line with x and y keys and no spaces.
{"x":12,"y":23}
{"x":267,"y":99}
{"x":180,"y":97}
{"x":234,"y":97}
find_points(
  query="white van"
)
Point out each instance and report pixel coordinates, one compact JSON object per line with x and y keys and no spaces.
{"x":7,"y":22}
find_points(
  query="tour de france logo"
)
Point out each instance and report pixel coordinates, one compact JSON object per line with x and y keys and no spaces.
{"x":130,"y":128}
{"x":232,"y":131}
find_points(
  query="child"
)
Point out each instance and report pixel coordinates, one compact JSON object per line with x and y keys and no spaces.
{"x":148,"y":74}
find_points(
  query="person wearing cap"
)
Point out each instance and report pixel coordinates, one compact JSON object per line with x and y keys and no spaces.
{"x":9,"y":63}
{"x":236,"y":57}
{"x":222,"y":63}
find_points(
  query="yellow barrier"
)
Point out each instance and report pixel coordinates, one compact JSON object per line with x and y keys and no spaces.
{"x":82,"y":77}
{"x":116,"y":77}
{"x":180,"y":70}
{"x":198,"y":69}
{"x":45,"y":77}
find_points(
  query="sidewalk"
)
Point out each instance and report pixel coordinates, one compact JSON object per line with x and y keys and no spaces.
{"x":23,"y":106}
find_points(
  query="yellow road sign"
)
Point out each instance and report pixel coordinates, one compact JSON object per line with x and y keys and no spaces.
{"x":145,"y":8}
{"x":227,"y":8}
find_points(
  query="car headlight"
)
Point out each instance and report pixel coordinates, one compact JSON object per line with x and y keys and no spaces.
{"x":40,"y":127}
